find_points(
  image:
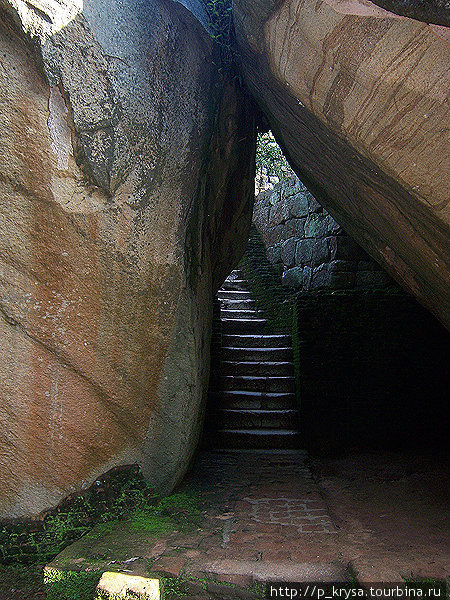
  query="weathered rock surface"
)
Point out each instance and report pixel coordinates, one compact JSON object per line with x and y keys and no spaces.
{"x":126,"y":184}
{"x":358,"y":98}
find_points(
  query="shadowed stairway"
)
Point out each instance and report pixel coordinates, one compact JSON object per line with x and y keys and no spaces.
{"x":252,"y":402}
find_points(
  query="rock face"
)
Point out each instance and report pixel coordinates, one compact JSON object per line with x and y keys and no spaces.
{"x":126,"y":184}
{"x":358,"y":99}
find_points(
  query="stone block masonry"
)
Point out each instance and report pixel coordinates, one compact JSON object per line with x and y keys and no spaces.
{"x":308,"y":247}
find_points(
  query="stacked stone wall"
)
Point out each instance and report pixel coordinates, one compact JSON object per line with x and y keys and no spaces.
{"x":308,"y":247}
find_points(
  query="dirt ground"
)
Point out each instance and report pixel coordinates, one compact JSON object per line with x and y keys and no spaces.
{"x":21,"y":582}
{"x":392,"y":512}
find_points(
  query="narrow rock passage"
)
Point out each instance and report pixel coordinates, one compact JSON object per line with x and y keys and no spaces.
{"x":264,"y":517}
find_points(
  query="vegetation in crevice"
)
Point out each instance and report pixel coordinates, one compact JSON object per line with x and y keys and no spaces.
{"x":110,"y":498}
{"x":271,"y":164}
{"x":220,"y":14}
{"x":122,"y":495}
{"x":136,"y":505}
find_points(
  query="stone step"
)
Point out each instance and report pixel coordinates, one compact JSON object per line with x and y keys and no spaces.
{"x":252,"y":400}
{"x":261,"y":368}
{"x":235,"y":274}
{"x":227,"y":418}
{"x":257,"y":384}
{"x":235,"y":284}
{"x":230,"y":303}
{"x":243,"y":325}
{"x":257,"y":354}
{"x":233,"y":295}
{"x":256,"y":340}
{"x":257,"y":438}
{"x":233,"y":313}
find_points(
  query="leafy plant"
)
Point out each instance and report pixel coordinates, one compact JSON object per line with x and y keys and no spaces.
{"x":221,"y":22}
{"x":173,"y":588}
{"x":271,"y":164}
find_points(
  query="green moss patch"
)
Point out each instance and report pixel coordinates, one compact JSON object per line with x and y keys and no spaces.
{"x":111,"y":498}
{"x":70,"y":585}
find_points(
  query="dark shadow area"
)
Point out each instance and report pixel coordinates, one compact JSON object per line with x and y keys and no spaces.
{"x":374,"y":372}
{"x":429,"y":11}
{"x":371,"y":366}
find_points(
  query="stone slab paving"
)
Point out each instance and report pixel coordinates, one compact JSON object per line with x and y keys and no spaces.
{"x":307,"y":515}
{"x":261,"y":507}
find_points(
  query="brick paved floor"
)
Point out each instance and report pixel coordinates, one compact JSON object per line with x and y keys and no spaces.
{"x":261,"y":509}
{"x":271,"y":489}
{"x":269,"y":519}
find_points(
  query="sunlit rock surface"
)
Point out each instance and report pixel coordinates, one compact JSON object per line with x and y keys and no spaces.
{"x":126,"y":184}
{"x":358,"y":98}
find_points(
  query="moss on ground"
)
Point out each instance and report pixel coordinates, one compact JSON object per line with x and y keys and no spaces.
{"x":69,"y":585}
{"x":130,"y":499}
{"x":22,"y":582}
{"x":176,"y":588}
{"x":150,"y":516}
{"x":111,"y":498}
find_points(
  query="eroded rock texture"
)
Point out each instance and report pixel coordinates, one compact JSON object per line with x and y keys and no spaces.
{"x":358,"y":98}
{"x":125,"y":198}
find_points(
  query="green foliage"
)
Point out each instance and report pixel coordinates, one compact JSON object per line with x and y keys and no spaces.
{"x":40,"y":542}
{"x":69,"y":585}
{"x":142,"y":509}
{"x":221,"y":23}
{"x":270,"y":161}
{"x":173,"y":588}
{"x":56,"y":531}
{"x":178,"y":511}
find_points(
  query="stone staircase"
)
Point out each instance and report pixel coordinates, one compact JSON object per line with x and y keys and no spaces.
{"x":252,"y":402}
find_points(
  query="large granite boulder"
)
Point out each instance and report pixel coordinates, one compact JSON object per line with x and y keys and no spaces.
{"x":357,"y":96}
{"x":126,"y":178}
